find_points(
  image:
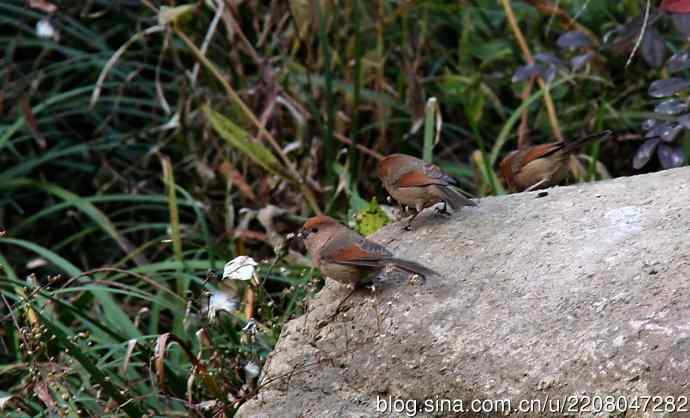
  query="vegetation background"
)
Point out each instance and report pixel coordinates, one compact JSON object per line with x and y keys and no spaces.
{"x":145,"y":144}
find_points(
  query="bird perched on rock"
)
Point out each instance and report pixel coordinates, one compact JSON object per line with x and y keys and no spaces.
{"x":347,"y":257}
{"x":417,"y":184}
{"x":544,"y":165}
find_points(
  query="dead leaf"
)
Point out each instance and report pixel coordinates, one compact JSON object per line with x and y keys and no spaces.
{"x":43,"y":393}
{"x":30,"y":119}
{"x":130,"y":349}
{"x":159,"y":358}
{"x":42,"y":5}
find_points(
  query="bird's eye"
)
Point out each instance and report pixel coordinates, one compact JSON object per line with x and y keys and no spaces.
{"x":315,"y":230}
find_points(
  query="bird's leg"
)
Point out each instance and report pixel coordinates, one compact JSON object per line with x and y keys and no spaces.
{"x":443,"y":210}
{"x":401,"y":208}
{"x":401,"y":211}
{"x":408,"y":226}
{"x":545,"y":180}
{"x":538,"y":184}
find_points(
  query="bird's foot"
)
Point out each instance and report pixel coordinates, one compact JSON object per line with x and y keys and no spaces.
{"x":417,"y":280}
{"x":442,"y":211}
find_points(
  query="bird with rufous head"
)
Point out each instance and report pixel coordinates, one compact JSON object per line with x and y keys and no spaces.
{"x":348,"y":257}
{"x":544,"y":165}
{"x":417,"y":184}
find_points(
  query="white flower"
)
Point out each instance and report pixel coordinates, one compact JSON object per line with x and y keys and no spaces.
{"x":44,"y":29}
{"x":240,"y":268}
{"x":221,"y":301}
{"x":250,"y":328}
{"x":251,"y":370}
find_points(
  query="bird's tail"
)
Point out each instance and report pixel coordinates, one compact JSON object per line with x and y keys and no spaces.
{"x":454,"y":198}
{"x":577,"y":143}
{"x":411,"y":267}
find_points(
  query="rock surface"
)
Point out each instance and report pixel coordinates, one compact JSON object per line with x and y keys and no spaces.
{"x":585,"y":291}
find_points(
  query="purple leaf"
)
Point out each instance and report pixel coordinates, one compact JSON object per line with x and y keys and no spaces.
{"x":548,"y":58}
{"x":649,"y":124}
{"x":623,"y":38}
{"x":653,"y":49}
{"x":573,"y":39}
{"x":659,"y":129}
{"x":645,"y":152}
{"x":668,"y":87}
{"x":550,"y":73}
{"x":671,"y":107}
{"x":681,"y":21}
{"x":579,"y":61}
{"x":671,"y":133}
{"x":670,"y":157}
{"x":525,"y":72}
{"x":684,"y":121}
{"x":666,"y":131}
{"x":678,"y":61}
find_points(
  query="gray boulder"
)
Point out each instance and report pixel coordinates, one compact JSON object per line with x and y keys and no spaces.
{"x":582,"y":293}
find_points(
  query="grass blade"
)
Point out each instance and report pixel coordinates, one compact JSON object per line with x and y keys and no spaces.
{"x":112,"y":310}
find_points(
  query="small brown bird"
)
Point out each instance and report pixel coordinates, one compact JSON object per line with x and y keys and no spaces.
{"x":417,"y":184}
{"x":544,"y":165}
{"x":347,"y":257}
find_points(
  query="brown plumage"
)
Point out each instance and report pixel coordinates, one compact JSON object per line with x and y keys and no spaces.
{"x":419,"y":185}
{"x":542,"y":166}
{"x":347,"y":257}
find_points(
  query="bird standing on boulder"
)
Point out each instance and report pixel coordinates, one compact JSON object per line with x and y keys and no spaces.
{"x":346,"y":256}
{"x":419,"y":185}
{"x":544,"y":165}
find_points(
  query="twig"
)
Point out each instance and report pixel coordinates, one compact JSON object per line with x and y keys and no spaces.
{"x":220,"y":6}
{"x":523,"y":129}
{"x":116,"y":56}
{"x":642,"y":33}
{"x":369,"y":152}
{"x":548,"y":8}
{"x":548,"y":101}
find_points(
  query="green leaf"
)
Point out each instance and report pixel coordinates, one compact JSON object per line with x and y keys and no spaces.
{"x":53,"y":99}
{"x":240,"y":139}
{"x":371,"y":219}
{"x":168,"y":14}
{"x":432,"y":128}
{"x":474,"y":105}
{"x":489,"y":52}
{"x":87,"y":208}
{"x":90,"y":364}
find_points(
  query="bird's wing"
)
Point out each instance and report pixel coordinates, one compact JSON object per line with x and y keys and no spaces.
{"x":540,"y":151}
{"x":361,"y":253}
{"x":425,"y":176}
{"x":436,"y":173}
